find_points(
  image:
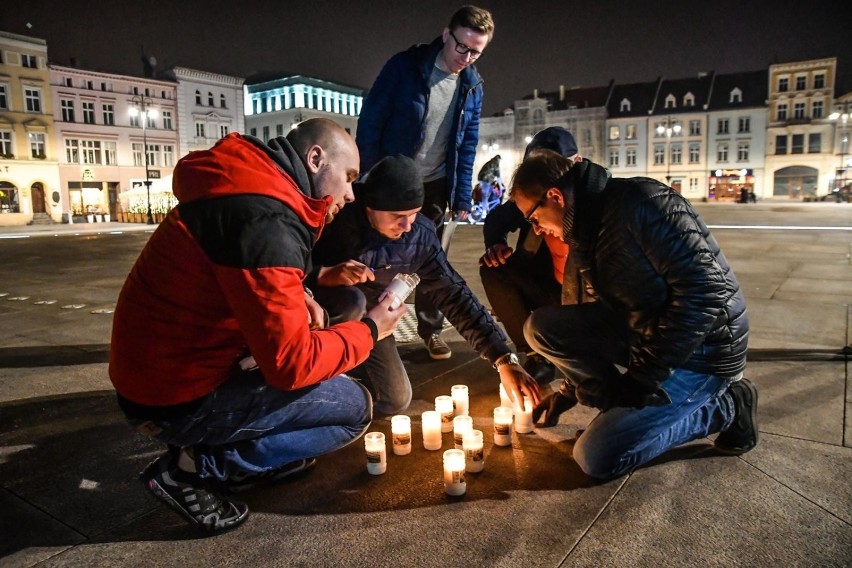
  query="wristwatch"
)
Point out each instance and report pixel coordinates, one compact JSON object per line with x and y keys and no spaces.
{"x":507,"y":359}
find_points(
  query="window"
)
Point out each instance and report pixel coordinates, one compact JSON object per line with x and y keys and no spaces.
{"x":819,"y":81}
{"x":695,"y":128}
{"x":150,"y":120}
{"x":801,"y":83}
{"x":798,"y":144}
{"x":659,"y":155}
{"x":209,"y":99}
{"x":722,"y":153}
{"x":32,"y":98}
{"x":9,"y":198}
{"x":816,"y":109}
{"x":222,"y":101}
{"x":110,"y":154}
{"x":167,"y":119}
{"x":135,"y":90}
{"x":90,"y":85}
{"x":783,"y":84}
{"x":67,"y":106}
{"x":153,"y":154}
{"x":266,"y":134}
{"x":722,"y":126}
{"x":5,"y":143}
{"x":223,"y":130}
{"x":742,"y":151}
{"x":134,"y":120}
{"x":198,"y":97}
{"x":625,"y":105}
{"x":736,"y":96}
{"x":4,"y":101}
{"x":694,"y":153}
{"x":88,"y":112}
{"x":103,"y":86}
{"x":137,"y":154}
{"x":199,"y":130}
{"x":781,"y":144}
{"x":744,"y":124}
{"x":630,"y":158}
{"x":37,"y":145}
{"x":613,"y":157}
{"x":677,"y":154}
{"x":689,"y":100}
{"x":279,"y":130}
{"x":693,"y":184}
{"x":799,"y":110}
{"x":782,"y":111}
{"x":29,"y":61}
{"x":630,"y":133}
{"x":67,"y":82}
{"x":90,"y":150}
{"x":168,"y":156}
{"x":253,"y":131}
{"x":670,"y":102}
{"x":815,"y":143}
{"x":614,"y":133}
{"x":109,"y":115}
{"x":72,"y":151}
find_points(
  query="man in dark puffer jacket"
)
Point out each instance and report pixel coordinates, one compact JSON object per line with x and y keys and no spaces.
{"x":669,"y":311}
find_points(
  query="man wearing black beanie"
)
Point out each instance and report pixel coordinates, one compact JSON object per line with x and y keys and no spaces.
{"x":383,"y":234}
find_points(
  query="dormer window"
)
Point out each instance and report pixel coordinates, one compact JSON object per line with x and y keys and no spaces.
{"x":736,"y":96}
{"x":671,"y":102}
{"x":689,"y":100}
{"x":625,"y":105}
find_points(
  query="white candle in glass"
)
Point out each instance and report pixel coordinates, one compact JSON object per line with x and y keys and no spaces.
{"x":504,"y":397}
{"x":444,"y":407}
{"x":454,"y":482}
{"x":377,"y":460}
{"x":401,"y":433}
{"x":523,"y":418}
{"x":461,"y":424}
{"x":431,"y":422}
{"x":502,"y":426}
{"x":461,"y":400}
{"x":473,"y":451}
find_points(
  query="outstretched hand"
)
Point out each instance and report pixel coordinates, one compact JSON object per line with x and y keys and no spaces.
{"x":346,"y":273}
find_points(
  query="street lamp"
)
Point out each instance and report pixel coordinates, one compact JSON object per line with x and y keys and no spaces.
{"x":139,"y":107}
{"x":668,"y":127}
{"x":842,"y":115}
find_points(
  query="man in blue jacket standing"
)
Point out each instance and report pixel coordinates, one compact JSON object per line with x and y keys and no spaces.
{"x":425,"y":104}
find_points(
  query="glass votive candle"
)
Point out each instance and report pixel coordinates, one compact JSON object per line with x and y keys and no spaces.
{"x":502,"y":426}
{"x":461,"y":400}
{"x":504,"y":397}
{"x":461,"y":424}
{"x":523,"y":418}
{"x":431,"y":423}
{"x":401,"y":434}
{"x":454,"y":482}
{"x":473,"y":451}
{"x":377,"y":458}
{"x":444,"y":407}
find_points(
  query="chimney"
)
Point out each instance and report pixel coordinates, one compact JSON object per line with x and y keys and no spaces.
{"x":535,"y":93}
{"x":561,"y":93}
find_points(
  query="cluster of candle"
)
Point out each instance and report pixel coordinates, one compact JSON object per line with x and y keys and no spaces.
{"x":451,"y":414}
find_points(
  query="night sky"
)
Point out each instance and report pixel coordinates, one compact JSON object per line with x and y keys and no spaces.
{"x":537,"y":44}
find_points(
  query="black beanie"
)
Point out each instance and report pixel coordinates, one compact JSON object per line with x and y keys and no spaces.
{"x":393,"y":184}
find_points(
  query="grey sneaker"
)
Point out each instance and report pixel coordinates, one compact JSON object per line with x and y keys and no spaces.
{"x":741,"y":435}
{"x":438,"y":348}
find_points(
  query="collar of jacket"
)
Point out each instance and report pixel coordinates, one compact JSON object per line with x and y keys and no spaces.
{"x":426,"y":54}
{"x":587,"y":182}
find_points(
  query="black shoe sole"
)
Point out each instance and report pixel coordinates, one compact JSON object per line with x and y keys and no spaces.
{"x":750,"y":396}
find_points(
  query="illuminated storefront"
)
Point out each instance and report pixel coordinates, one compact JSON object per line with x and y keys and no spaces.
{"x":728,"y":185}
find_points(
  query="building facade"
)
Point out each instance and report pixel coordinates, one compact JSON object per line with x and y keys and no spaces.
{"x":29,"y":177}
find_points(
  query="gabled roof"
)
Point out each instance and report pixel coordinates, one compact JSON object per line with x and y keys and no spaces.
{"x":640,"y":95}
{"x":699,"y":87}
{"x":754,"y":86}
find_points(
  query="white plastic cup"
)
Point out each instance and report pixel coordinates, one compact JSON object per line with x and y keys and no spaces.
{"x":377,"y":457}
{"x":523,"y":418}
{"x":431,"y":425}
{"x":444,"y":407}
{"x":454,"y":466}
{"x":401,"y":434}
{"x":474,"y":451}
{"x":461,"y":399}
{"x":461,"y":424}
{"x":502,"y":426}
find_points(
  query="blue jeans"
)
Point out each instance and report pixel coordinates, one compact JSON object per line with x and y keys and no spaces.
{"x":246,"y":425}
{"x":585,"y":342}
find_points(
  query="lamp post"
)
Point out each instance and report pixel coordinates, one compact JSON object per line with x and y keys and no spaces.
{"x":842,"y":115}
{"x":139,"y":107}
{"x":668,"y":127}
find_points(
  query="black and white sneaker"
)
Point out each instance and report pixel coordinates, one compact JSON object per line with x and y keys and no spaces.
{"x":741,"y":435}
{"x":438,"y":348}
{"x":244,"y":481}
{"x":192,"y":497}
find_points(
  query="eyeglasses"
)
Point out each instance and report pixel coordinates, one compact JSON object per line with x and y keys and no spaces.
{"x":463,"y":49}
{"x":528,"y":218}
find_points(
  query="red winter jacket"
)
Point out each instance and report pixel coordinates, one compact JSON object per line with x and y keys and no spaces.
{"x":222,"y":275}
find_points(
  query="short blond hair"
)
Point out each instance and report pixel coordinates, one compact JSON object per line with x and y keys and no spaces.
{"x":474,"y":18}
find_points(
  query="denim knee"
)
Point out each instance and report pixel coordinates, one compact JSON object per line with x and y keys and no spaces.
{"x":596,"y":461}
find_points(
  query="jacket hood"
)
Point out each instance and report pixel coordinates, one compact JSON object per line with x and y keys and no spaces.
{"x":239,"y":165}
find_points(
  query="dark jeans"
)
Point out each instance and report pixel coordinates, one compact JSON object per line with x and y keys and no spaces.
{"x":585,"y":342}
{"x":516,"y":289}
{"x":430,"y":320}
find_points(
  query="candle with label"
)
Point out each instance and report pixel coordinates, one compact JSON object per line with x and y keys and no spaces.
{"x":461,"y":400}
{"x":502,"y":426}
{"x":461,"y":424}
{"x":454,"y":482}
{"x":523,"y":418}
{"x":377,"y":461}
{"x":431,"y":422}
{"x":444,"y":407}
{"x":473,"y":451}
{"x":401,"y":434}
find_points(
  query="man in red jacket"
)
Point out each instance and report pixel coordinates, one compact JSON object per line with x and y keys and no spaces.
{"x":217,"y":348}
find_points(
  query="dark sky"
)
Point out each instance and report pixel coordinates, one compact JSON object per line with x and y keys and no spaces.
{"x":538,"y":44}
